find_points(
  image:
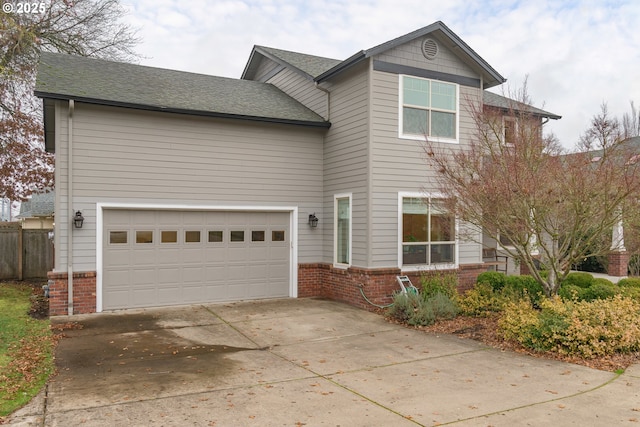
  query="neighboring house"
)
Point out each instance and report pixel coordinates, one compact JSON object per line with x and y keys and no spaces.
{"x":305,"y":177}
{"x":38,"y":211}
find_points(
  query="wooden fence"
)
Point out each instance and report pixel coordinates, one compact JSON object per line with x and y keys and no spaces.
{"x":24,"y":254}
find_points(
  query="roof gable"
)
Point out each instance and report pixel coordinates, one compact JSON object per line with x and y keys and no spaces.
{"x":309,"y":66}
{"x":454,"y":43}
{"x":103,"y":82}
{"x":318,"y":68}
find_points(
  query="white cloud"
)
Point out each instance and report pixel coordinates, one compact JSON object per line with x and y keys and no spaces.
{"x":577,"y":54}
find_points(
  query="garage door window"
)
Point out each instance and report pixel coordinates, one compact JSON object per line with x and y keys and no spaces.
{"x":215,"y":236}
{"x":237,"y":236}
{"x":169,"y":237}
{"x":257,"y":236}
{"x":277,"y":236}
{"x":117,"y":237}
{"x":144,"y":236}
{"x":192,"y":236}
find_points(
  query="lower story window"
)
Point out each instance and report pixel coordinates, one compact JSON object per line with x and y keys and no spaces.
{"x":428,"y":232}
{"x":343,"y":229}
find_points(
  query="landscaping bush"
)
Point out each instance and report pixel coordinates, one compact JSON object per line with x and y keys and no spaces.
{"x":583,"y":280}
{"x":439,"y":282}
{"x":496,"y":279}
{"x":630,"y":282}
{"x":523,"y":286}
{"x":418,"y":309}
{"x":600,"y":289}
{"x":437,"y":299}
{"x":571,"y":292}
{"x":580,"y":328}
{"x":630,"y":292}
{"x":481,"y":301}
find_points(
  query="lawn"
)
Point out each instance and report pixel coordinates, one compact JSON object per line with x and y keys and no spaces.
{"x":26,"y":347}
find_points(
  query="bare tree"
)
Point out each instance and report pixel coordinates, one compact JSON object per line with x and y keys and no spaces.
{"x":80,"y":27}
{"x":631,"y":123}
{"x":553,"y":207}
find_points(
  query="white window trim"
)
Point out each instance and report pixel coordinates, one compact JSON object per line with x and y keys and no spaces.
{"x":425,"y":267}
{"x":401,"y":134}
{"x":335,"y":229}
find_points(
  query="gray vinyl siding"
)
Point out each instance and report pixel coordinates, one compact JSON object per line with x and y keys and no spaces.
{"x":302,"y":90}
{"x":130,"y":156}
{"x":398,"y":165}
{"x":265,"y":69}
{"x":346,"y":159}
{"x":410,"y":54}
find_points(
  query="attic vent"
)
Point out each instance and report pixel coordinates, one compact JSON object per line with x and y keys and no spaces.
{"x":429,"y":48}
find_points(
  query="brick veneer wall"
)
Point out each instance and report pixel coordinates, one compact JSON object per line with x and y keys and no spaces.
{"x":314,"y":280}
{"x":618,"y":263}
{"x":378,"y":284}
{"x":84,"y":292}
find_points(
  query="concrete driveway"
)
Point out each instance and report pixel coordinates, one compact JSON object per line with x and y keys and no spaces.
{"x":297,"y":362}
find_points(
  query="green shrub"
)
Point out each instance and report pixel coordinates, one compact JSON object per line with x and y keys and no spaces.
{"x":439,"y":282}
{"x":570,"y":292}
{"x":581,"y":279}
{"x":630,"y":292}
{"x":585,"y":329}
{"x":523,"y":286}
{"x":496,"y":279}
{"x":629,"y":282}
{"x":481,"y":301}
{"x":600,"y":289}
{"x":414,"y":309}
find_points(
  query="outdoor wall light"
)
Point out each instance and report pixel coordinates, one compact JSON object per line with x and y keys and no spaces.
{"x":78,"y":220}
{"x":313,"y":220}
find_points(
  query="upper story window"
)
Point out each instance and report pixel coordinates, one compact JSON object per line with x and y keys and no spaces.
{"x":510,"y":127}
{"x":429,"y":108}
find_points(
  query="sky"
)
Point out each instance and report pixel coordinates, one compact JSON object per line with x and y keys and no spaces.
{"x":575,"y":55}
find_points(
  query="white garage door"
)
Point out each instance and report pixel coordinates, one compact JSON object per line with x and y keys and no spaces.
{"x":158,"y":258}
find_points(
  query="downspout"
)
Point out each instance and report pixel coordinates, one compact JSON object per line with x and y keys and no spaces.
{"x":328,"y":100}
{"x":70,"y":208}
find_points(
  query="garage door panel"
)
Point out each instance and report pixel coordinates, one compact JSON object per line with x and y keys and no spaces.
{"x":144,"y":276}
{"x":193,"y":274}
{"x":140,"y":295}
{"x":170,"y":269}
{"x":168,"y":275}
{"x":168,"y":295}
{"x":191,"y":255}
{"x":117,"y":278}
{"x":143,"y":256}
{"x":120,"y":258}
{"x":168,"y":255}
{"x":213,"y":255}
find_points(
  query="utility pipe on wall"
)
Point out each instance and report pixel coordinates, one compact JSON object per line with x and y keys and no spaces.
{"x":70,"y":208}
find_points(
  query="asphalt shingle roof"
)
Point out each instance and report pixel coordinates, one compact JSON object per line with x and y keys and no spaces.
{"x":63,"y":76}
{"x":494,"y":100}
{"x":40,"y":204}
{"x":309,"y":64}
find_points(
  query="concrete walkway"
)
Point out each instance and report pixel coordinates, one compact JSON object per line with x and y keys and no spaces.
{"x":312,"y":362}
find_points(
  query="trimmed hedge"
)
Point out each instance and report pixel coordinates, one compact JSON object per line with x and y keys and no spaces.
{"x":495,"y":279}
{"x":581,"y":279}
